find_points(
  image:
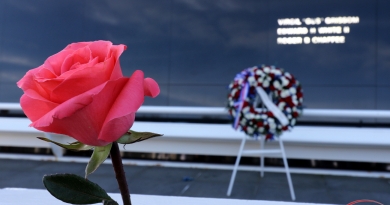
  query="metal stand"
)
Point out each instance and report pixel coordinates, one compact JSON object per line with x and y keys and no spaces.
{"x":262,"y":152}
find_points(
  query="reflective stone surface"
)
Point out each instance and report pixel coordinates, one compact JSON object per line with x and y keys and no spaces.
{"x":194,"y":48}
{"x":383,"y":43}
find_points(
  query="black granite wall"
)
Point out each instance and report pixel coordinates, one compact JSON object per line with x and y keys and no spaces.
{"x":194,"y":48}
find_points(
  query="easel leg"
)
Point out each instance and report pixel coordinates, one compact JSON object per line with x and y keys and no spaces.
{"x":287,"y":170}
{"x":262,"y":142}
{"x":236,"y":166}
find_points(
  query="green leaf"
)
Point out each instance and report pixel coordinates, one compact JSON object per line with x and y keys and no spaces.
{"x":74,"y":189}
{"x":98,"y":156}
{"x":110,"y":202}
{"x":133,"y":137}
{"x":75,"y":146}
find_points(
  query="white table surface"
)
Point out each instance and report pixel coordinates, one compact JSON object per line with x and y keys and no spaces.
{"x":20,"y":196}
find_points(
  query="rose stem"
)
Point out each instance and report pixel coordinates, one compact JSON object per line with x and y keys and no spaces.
{"x":120,"y":173}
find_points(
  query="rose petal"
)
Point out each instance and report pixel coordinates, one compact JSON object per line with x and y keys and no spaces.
{"x":55,"y":61}
{"x":81,"y":56}
{"x":29,"y":82}
{"x":80,"y":81}
{"x":84,"y":123}
{"x":74,"y":46}
{"x":78,"y":67}
{"x":116,"y":51}
{"x":151,"y":87}
{"x":127,"y":103}
{"x":67,"y":108}
{"x":34,"y":105}
{"x":45,"y":73}
{"x":116,"y":127}
{"x":100,"y":49}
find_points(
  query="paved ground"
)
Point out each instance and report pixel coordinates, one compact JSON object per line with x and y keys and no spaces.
{"x":205,"y":183}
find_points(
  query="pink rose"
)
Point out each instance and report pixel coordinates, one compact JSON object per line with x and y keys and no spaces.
{"x":81,"y":92}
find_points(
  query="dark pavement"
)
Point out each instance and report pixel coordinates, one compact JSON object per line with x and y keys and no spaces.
{"x":205,"y":182}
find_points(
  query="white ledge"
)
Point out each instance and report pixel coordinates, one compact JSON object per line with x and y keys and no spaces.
{"x":15,"y":196}
{"x":221,"y":111}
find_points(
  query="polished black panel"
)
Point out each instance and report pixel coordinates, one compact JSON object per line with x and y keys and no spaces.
{"x":32,"y":31}
{"x":383,"y":43}
{"x":9,"y":92}
{"x":383,"y":101}
{"x":383,"y":97}
{"x":144,"y":26}
{"x":349,"y":63}
{"x":198,"y":95}
{"x":340,"y":97}
{"x":213,"y":40}
{"x":193,"y":49}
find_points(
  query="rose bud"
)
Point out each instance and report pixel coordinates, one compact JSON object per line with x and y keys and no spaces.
{"x":81,"y":92}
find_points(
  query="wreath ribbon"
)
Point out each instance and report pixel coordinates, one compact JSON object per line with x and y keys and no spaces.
{"x":272,"y":107}
{"x":240,"y":104}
